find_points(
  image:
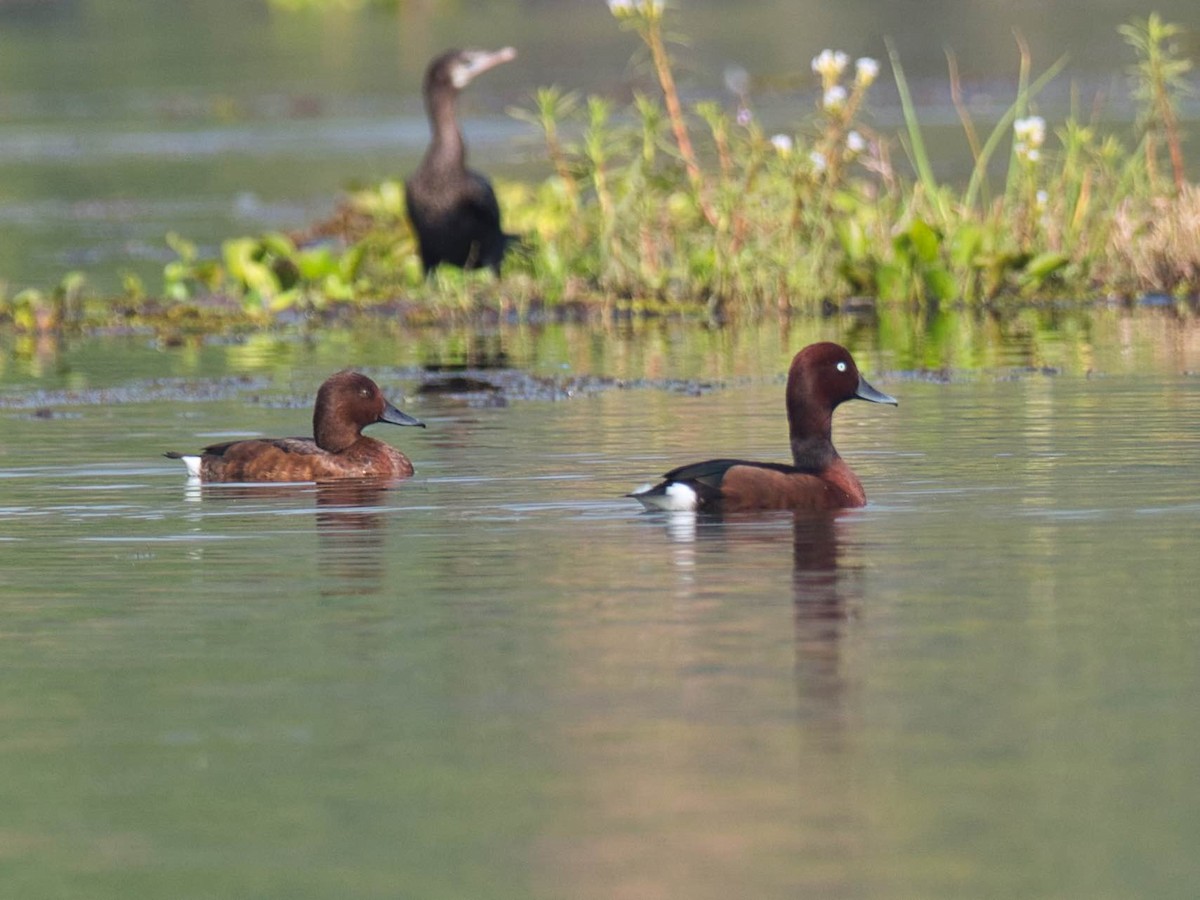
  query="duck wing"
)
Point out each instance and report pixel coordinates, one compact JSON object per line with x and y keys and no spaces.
{"x":700,"y":485}
{"x":480,"y":198}
{"x":291,"y":445}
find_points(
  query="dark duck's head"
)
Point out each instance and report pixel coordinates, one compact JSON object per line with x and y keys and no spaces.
{"x":455,"y":69}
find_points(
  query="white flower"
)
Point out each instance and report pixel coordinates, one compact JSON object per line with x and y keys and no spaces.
{"x":782,"y":143}
{"x":1042,"y":199}
{"x":625,"y":8}
{"x":1026,"y":153}
{"x":855,"y":142}
{"x":830,"y":64}
{"x":1031,"y":130}
{"x":866,"y":70}
{"x":817,"y":158}
{"x":835,"y":98}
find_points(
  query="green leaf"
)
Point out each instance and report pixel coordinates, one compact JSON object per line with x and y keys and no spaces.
{"x":941,"y":284}
{"x":351,"y":261}
{"x":277,"y":243}
{"x":893,"y":282}
{"x":853,"y":238}
{"x":1042,"y":267}
{"x":926,"y":241}
{"x":281,"y":300}
{"x":965,"y":245}
{"x":335,"y":288}
{"x":316,"y":263}
{"x":920,"y":158}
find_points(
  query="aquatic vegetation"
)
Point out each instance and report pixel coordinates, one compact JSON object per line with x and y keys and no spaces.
{"x":667,"y":205}
{"x":1159,"y":82}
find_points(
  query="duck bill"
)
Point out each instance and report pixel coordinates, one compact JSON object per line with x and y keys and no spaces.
{"x":866,"y":392}
{"x":395,"y":416}
{"x":482,"y":60}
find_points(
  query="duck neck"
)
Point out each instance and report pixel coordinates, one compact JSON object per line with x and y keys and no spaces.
{"x":333,"y":436}
{"x":811,"y":429}
{"x":813,"y":453}
{"x":446,"y":150}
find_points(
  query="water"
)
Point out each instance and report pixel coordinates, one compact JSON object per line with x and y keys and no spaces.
{"x":115,"y":131}
{"x":501,"y":678}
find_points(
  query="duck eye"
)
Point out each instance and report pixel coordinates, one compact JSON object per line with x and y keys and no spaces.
{"x":841,"y":367}
{"x":364,"y":392}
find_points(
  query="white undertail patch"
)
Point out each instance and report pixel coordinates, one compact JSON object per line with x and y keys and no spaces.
{"x":193,"y":465}
{"x":675,"y":497}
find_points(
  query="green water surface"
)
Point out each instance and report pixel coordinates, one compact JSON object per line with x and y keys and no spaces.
{"x":502,"y":679}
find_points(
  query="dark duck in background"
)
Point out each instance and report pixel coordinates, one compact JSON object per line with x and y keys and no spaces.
{"x":454,"y":210}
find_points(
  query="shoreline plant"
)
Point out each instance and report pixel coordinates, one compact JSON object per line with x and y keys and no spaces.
{"x":696,"y":209}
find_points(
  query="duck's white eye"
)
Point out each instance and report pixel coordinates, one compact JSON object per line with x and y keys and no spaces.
{"x":841,"y":367}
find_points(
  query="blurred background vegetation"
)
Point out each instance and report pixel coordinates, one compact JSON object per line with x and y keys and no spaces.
{"x":124,"y":122}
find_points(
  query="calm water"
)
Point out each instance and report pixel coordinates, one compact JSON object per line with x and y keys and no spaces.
{"x":502,"y":679}
{"x":123,"y":120}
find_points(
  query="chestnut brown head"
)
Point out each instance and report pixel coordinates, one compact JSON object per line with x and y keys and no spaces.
{"x":346,"y":404}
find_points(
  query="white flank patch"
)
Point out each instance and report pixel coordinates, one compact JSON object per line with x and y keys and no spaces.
{"x":193,"y":465}
{"x":676,"y":498}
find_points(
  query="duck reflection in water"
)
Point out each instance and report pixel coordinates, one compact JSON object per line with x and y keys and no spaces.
{"x":826,"y":600}
{"x":824,"y":587}
{"x":351,"y":525}
{"x":350,"y":536}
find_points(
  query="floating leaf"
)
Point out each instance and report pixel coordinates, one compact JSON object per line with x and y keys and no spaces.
{"x":926,"y":241}
{"x":1042,"y":267}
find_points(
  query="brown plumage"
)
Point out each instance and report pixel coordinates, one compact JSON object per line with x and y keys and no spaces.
{"x":822,"y":376}
{"x":346,"y":403}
